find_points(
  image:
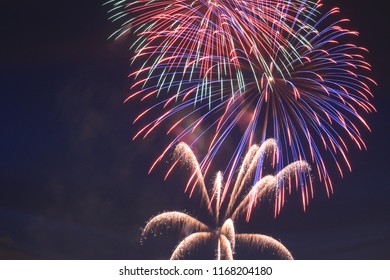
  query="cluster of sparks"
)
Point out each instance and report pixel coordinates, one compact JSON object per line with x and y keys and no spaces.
{"x":282,"y":69}
{"x":242,"y":198}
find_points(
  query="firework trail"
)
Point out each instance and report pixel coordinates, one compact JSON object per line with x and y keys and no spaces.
{"x":281,"y":69}
{"x":222,"y":232}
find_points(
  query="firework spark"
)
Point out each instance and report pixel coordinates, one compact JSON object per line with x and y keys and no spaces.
{"x":223,"y":232}
{"x":281,"y":69}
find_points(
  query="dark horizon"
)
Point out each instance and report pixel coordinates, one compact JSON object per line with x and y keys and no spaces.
{"x":75,"y":186}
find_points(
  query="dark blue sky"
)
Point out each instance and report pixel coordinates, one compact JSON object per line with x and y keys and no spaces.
{"x":74,"y":186}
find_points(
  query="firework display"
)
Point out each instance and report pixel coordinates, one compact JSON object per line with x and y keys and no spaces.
{"x":223,"y":232}
{"x":280,"y":69}
{"x":221,"y":75}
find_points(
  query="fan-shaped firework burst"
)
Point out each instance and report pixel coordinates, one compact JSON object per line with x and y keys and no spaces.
{"x":222,"y":231}
{"x":271,"y":68}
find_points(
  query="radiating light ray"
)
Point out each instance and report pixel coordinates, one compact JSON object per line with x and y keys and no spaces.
{"x":265,"y":187}
{"x":171,"y":220}
{"x":190,"y":243}
{"x":253,"y":160}
{"x":184,"y":153}
{"x":225,"y":251}
{"x":263,"y":242}
{"x":228,"y":231}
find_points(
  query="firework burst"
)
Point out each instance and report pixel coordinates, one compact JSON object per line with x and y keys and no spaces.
{"x":281,"y":69}
{"x":198,"y":48}
{"x":222,"y":232}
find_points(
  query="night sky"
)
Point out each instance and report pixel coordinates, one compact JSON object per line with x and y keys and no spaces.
{"x":73,"y":185}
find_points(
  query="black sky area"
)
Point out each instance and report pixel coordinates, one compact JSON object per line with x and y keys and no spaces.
{"x":74,"y":186}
